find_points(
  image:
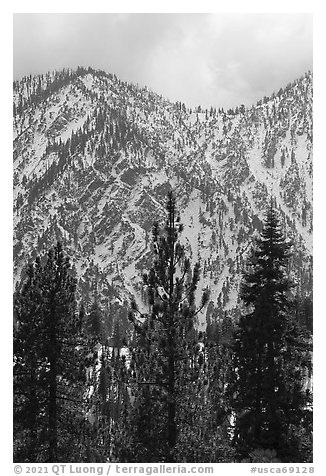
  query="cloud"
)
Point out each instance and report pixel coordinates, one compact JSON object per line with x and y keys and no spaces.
{"x":208,"y":59}
{"x":256,"y":54}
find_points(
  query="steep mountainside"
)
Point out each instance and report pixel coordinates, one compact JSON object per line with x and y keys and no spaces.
{"x":94,"y":158}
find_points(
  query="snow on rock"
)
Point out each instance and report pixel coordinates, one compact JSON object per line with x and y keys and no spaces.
{"x":94,"y":158}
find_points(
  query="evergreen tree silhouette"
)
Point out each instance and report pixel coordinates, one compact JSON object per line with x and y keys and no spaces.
{"x":164,"y":354}
{"x":49,"y":371}
{"x":271,"y":353}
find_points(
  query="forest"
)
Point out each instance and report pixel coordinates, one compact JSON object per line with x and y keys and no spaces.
{"x":163,"y":391}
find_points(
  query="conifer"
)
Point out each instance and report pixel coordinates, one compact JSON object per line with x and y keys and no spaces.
{"x":164,"y":360}
{"x":49,"y":372}
{"x":270,"y":353}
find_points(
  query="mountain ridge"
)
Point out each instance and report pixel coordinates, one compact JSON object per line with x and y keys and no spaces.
{"x":94,"y":158}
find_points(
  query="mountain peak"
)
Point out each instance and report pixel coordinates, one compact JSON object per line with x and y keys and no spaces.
{"x":94,"y":158}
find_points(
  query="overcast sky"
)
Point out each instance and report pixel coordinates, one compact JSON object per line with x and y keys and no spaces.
{"x":221,"y":60}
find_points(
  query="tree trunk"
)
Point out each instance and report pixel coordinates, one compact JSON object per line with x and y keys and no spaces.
{"x":53,"y":437}
{"x":171,"y":358}
{"x":171,"y":409}
{"x":53,"y":431}
{"x":33,"y":417}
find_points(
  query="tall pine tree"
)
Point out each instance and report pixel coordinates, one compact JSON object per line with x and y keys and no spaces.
{"x":49,"y":371}
{"x":270,"y":354}
{"x":164,"y":357}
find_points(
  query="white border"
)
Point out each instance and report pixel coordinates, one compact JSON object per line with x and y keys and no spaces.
{"x":204,"y":6}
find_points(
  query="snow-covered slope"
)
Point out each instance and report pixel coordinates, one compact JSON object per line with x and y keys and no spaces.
{"x":94,"y":158}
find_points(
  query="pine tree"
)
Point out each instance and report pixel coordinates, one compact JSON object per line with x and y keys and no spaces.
{"x":270,"y":354}
{"x":106,"y":383}
{"x":49,"y":373}
{"x":206,"y":412}
{"x":204,"y":416}
{"x":95,"y":325}
{"x":164,"y":359}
